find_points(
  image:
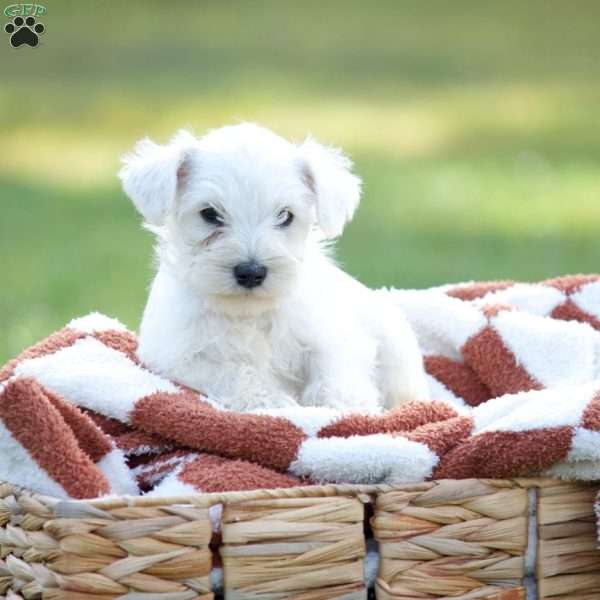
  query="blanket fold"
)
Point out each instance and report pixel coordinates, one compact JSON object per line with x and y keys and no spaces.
{"x":514,"y":376}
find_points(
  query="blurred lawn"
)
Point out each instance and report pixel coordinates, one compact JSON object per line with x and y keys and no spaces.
{"x":475,"y":126}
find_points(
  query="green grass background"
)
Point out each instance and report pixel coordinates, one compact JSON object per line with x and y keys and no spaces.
{"x":475,"y":126}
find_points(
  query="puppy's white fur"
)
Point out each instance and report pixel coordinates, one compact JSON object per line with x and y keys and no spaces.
{"x":310,"y":334}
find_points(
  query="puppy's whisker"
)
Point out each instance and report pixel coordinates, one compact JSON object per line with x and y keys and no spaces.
{"x":281,"y":258}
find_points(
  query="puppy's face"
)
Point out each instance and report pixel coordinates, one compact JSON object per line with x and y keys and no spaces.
{"x":236,"y":211}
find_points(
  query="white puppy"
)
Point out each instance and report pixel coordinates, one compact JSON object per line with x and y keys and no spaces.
{"x":246,"y":305}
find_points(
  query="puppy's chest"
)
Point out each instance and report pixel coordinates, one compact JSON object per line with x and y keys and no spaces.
{"x":262,"y":343}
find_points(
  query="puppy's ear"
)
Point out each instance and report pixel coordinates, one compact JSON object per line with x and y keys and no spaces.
{"x":327,"y":173}
{"x":152,"y":175}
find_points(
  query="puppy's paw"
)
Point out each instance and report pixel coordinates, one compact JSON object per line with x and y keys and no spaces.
{"x":265,"y":401}
{"x":243,"y":389}
{"x":259,"y":399}
{"x":346,"y":396}
{"x":413,"y":387}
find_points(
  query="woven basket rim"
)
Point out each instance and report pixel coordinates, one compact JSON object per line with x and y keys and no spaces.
{"x":362,"y":491}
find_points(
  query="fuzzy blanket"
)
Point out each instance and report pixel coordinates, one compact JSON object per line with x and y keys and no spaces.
{"x":514,"y":372}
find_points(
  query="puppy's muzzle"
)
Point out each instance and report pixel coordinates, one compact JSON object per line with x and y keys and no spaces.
{"x":250,"y":274}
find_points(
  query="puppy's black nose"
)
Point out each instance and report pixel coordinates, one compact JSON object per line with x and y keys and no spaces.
{"x":250,"y":274}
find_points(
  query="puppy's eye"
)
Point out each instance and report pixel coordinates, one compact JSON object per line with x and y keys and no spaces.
{"x":210,"y":215}
{"x":285,"y":218}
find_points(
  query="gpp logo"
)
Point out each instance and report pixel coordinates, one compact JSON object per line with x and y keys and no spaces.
{"x":25,"y":29}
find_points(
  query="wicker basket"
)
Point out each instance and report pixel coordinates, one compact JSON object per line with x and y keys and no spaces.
{"x":469,"y":539}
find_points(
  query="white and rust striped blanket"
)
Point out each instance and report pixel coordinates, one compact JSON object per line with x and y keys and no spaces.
{"x":514,"y":373}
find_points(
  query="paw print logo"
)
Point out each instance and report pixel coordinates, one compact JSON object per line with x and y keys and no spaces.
{"x":24,"y":31}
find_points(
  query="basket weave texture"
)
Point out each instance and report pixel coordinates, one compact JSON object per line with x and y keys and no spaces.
{"x":459,"y":539}
{"x":568,"y":565}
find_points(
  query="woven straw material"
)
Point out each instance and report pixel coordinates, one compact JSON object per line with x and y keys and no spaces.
{"x":73,"y":551}
{"x":306,"y":549}
{"x":464,"y":539}
{"x":568,"y":562}
{"x":441,"y":540}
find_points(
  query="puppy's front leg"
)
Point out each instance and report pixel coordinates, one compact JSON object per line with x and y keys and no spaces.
{"x":253,"y":389}
{"x":343,"y":378}
{"x":235,"y":385}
